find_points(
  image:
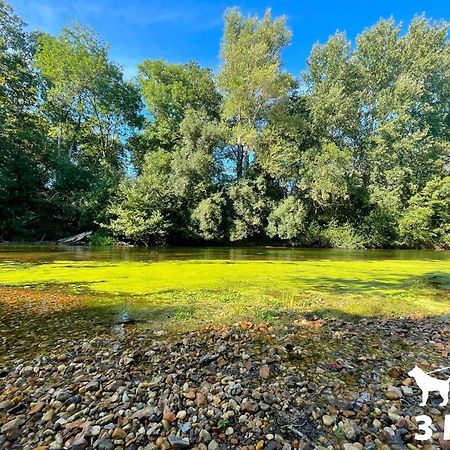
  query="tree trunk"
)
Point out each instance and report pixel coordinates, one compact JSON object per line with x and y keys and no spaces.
{"x":239,"y":161}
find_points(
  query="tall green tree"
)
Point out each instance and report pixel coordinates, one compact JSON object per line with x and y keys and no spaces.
{"x":169,"y":91}
{"x":87,"y":100}
{"x":251,"y":79}
{"x":91,"y":111}
{"x":23,"y":146}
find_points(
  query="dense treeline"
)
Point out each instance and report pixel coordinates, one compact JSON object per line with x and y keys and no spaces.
{"x":354,"y":153}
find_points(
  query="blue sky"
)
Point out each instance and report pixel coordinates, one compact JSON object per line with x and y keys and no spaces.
{"x":183,"y":30}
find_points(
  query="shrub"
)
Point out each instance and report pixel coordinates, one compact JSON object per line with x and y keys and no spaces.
{"x":287,"y":220}
{"x":101,"y":238}
{"x":208,"y":217}
{"x":342,"y":236}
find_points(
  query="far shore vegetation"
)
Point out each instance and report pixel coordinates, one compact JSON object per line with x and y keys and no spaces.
{"x":352,"y":153}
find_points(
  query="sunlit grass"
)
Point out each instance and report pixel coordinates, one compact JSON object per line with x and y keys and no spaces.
{"x":222,"y":291}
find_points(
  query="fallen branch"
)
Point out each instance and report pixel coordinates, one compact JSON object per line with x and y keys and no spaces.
{"x":76,"y":239}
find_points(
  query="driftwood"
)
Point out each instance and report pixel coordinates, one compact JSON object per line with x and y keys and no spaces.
{"x":77,"y":239}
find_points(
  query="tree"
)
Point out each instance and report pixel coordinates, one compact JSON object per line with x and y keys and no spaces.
{"x":287,"y":221}
{"x":426,"y":221}
{"x":251,"y":79}
{"x":23,"y":153}
{"x":162,"y":203}
{"x":169,"y":91}
{"x":87,"y":99}
{"x":91,"y":111}
{"x":249,"y":209}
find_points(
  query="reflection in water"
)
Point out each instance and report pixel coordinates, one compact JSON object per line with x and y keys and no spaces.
{"x":48,"y":253}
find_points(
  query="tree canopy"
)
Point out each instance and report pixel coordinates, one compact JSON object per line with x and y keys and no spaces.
{"x":354,"y":152}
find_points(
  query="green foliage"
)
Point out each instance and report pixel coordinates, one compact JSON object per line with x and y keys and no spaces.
{"x":427,"y":219}
{"x":380,"y":227}
{"x":142,"y":211}
{"x":355,"y":156}
{"x":251,"y":78}
{"x":342,"y":236}
{"x":326,"y":174}
{"x":287,"y":221}
{"x":208,"y":217}
{"x":172,"y":92}
{"x":100,"y":238}
{"x":87,"y":100}
{"x":249,"y":209}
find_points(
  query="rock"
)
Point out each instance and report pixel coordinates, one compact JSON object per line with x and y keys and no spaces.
{"x":204,"y":436}
{"x":11,"y":426}
{"x":271,"y":445}
{"x":6,"y":405}
{"x":264,"y":371}
{"x":269,"y":398}
{"x":200,"y":399}
{"x":407,"y":391}
{"x":328,"y":420}
{"x":177,"y":442}
{"x":350,"y":429}
{"x":169,"y":415}
{"x":105,"y":444}
{"x":49,"y":416}
{"x":394,"y":372}
{"x":249,"y":405}
{"x":119,"y":433}
{"x":213,"y":445}
{"x":190,"y":394}
{"x":186,"y":427}
{"x":393,"y":393}
{"x":356,"y":446}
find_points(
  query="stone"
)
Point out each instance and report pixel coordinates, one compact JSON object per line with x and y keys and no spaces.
{"x":264,"y":371}
{"x":393,"y":393}
{"x":119,"y":433}
{"x":328,"y":420}
{"x":105,"y":444}
{"x":407,"y":391}
{"x":213,"y":445}
{"x":177,"y":442}
{"x":356,"y":446}
{"x":11,"y":426}
{"x":249,"y":406}
{"x":350,"y":429}
{"x":6,"y":405}
{"x":169,"y":415}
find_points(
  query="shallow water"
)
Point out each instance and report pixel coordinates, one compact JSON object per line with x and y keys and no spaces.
{"x":35,"y":316}
{"x":47,"y":253}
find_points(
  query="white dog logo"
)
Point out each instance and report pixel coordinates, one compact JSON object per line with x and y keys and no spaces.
{"x":429,"y":384}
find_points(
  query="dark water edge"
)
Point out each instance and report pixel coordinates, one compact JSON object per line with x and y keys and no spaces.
{"x":50,"y":252}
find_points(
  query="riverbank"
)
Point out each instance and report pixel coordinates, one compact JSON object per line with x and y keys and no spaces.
{"x":312,"y":384}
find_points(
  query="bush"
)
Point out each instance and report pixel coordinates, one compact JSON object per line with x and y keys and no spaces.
{"x":101,"y":238}
{"x":426,"y":221}
{"x":415,"y":227}
{"x":342,"y":236}
{"x":287,"y":221}
{"x":249,"y":208}
{"x":380,"y":228}
{"x":208,"y":217}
